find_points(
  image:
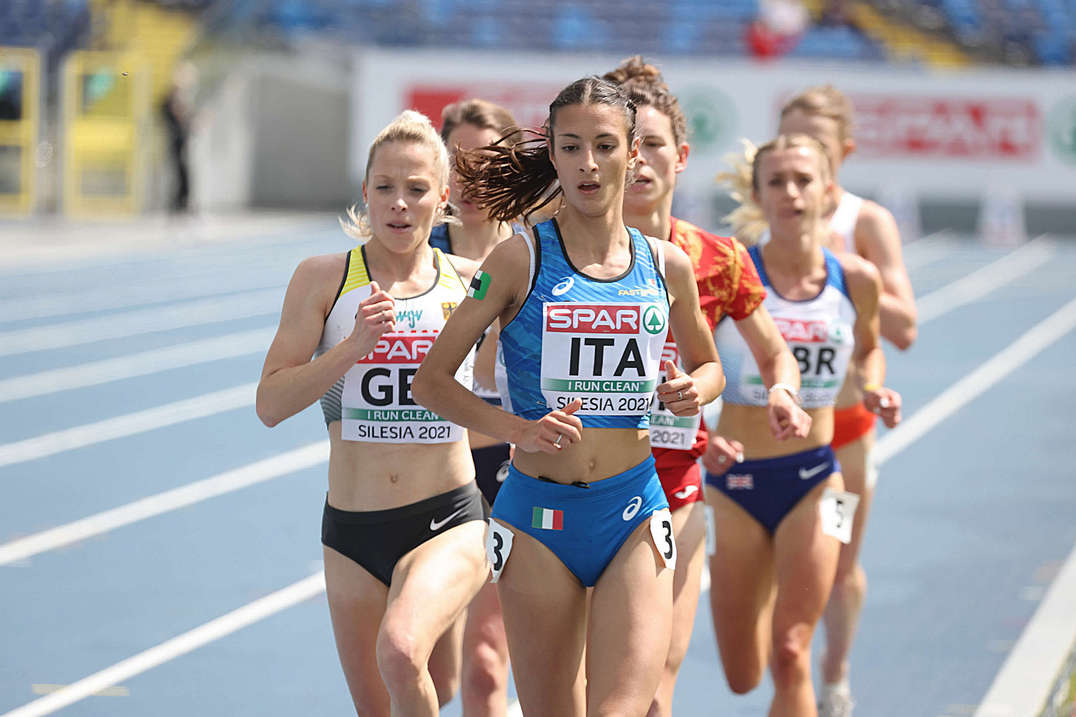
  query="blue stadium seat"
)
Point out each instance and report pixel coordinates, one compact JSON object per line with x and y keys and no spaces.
{"x":837,"y":42}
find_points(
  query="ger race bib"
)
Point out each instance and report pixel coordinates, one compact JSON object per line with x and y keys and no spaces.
{"x":606,"y":355}
{"x":667,"y":430}
{"x":373,"y":399}
{"x":377,"y":402}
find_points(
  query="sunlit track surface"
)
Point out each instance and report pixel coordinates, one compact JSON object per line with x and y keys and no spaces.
{"x":132,"y":546}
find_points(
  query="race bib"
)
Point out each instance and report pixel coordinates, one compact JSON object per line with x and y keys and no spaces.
{"x":606,"y":355}
{"x":661,"y":531}
{"x":498,"y":546}
{"x":838,"y":509}
{"x":377,"y":406}
{"x":711,"y":531}
{"x":667,"y":430}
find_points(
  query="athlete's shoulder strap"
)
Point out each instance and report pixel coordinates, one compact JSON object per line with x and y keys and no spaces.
{"x":448,"y":276}
{"x":755,"y":252}
{"x":356,"y":274}
{"x":657,"y":251}
{"x":835,"y":273}
{"x":845,"y":217}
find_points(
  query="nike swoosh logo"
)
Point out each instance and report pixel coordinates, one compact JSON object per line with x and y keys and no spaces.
{"x":808,"y":474}
{"x":687,"y":491}
{"x":436,"y":525}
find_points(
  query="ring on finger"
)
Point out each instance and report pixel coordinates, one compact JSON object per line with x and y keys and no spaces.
{"x":722,"y":459}
{"x":679,"y":395}
{"x":557,"y":441}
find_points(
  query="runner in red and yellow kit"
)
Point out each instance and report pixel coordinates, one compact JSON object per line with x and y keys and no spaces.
{"x":728,"y":286}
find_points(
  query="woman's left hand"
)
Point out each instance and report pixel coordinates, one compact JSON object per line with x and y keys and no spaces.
{"x":787,"y":419}
{"x":885,"y":402}
{"x":678,"y":392}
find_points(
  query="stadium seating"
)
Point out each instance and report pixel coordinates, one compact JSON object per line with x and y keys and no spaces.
{"x":51,"y":27}
{"x":1015,"y":32}
{"x":1007,"y":31}
{"x":675,"y":27}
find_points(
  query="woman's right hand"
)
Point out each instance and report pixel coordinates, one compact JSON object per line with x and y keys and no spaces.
{"x":376,"y":316}
{"x":553,"y":432}
{"x":721,"y":454}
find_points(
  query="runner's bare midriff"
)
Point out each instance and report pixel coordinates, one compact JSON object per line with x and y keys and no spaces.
{"x":603,"y":453}
{"x":378,"y":476}
{"x":750,"y":425}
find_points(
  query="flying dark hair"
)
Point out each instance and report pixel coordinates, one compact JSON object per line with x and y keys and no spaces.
{"x":511,"y":180}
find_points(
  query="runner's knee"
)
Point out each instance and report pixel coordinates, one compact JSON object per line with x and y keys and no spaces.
{"x":791,"y":655}
{"x":852,"y":581}
{"x":743,"y":678}
{"x":398,"y":658}
{"x":446,"y":686}
{"x":484,"y":672}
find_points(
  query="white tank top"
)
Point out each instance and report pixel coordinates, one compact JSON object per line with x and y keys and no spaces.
{"x":844,"y":219}
{"x":373,"y":399}
{"x":819,"y":331}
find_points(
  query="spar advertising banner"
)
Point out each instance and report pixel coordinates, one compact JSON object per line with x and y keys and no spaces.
{"x":958,"y":135}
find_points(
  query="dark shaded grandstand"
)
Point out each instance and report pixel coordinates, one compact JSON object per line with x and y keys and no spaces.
{"x":1014,"y":32}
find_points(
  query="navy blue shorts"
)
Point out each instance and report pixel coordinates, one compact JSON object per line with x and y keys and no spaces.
{"x":770,"y":488}
{"x":491,"y":468}
{"x":584,"y":526}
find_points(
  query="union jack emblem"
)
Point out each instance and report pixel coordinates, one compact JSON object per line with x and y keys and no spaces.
{"x":740,"y":482}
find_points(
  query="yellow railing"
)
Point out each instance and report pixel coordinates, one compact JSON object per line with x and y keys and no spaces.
{"x":106,"y":115}
{"x":20,"y":101}
{"x":901,"y":40}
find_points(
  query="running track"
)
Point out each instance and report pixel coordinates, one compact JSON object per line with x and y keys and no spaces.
{"x":143,"y":500}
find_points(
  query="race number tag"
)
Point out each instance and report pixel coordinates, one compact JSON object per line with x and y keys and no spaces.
{"x":838,"y":508}
{"x":376,"y":402}
{"x":498,"y":546}
{"x":667,"y":430}
{"x":711,"y":531}
{"x":822,"y":349}
{"x":662,"y":532}
{"x":606,"y":355}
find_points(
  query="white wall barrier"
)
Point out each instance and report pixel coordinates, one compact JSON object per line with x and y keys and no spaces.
{"x":923,"y":136}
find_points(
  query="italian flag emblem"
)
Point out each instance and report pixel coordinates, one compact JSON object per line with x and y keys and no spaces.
{"x":547,"y":519}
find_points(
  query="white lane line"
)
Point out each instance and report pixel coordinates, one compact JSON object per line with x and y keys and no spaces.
{"x":1034,"y":341}
{"x":128,"y":424}
{"x":1012,"y":357}
{"x":141,"y":321}
{"x":143,"y":363}
{"x":126,"y":297}
{"x":974,"y":286}
{"x":1015,"y":355}
{"x":248,"y":475}
{"x":180,"y":645}
{"x":928,"y":249}
{"x":1023,"y":685}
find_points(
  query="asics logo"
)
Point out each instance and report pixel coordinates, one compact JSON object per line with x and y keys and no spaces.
{"x":436,"y":525}
{"x":687,"y":492}
{"x":806,"y":474}
{"x":563,"y":286}
{"x":633,"y":507}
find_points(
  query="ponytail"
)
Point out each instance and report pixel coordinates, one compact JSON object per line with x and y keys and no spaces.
{"x":509,"y":180}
